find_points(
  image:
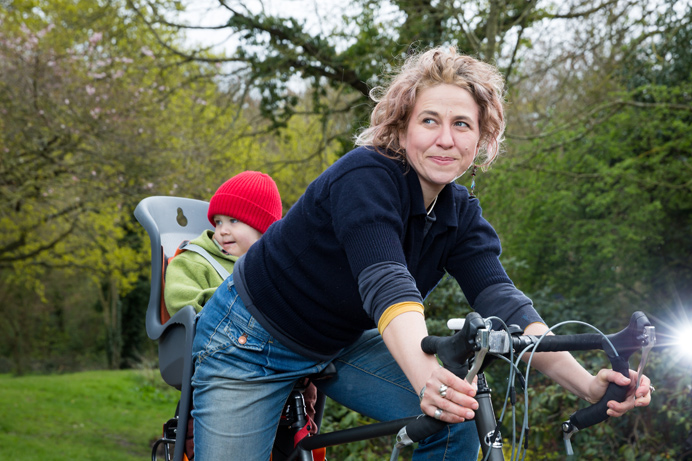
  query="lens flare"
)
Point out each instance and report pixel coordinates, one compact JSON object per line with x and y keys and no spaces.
{"x":674,"y":335}
{"x":683,"y":339}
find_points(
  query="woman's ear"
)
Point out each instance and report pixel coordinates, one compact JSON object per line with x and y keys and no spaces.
{"x":402,"y":139}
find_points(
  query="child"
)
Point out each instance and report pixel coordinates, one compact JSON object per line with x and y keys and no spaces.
{"x":241,"y":210}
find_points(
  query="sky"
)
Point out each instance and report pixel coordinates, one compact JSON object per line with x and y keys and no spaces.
{"x":316,"y":13}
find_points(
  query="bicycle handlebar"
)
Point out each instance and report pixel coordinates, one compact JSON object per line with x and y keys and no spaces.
{"x":455,"y":351}
{"x":625,"y":343}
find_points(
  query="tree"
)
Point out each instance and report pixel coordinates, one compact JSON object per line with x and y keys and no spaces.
{"x":95,"y":116}
{"x":88,"y":118}
{"x":615,"y":173}
{"x":351,"y":54}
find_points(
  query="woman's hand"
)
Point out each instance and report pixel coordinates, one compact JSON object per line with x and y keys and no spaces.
{"x":636,"y":397}
{"x":448,"y":397}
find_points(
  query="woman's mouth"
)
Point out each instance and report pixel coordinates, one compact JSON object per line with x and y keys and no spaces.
{"x":442,"y":159}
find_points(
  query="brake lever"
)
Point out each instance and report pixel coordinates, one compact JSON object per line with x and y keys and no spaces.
{"x":483,"y":342}
{"x":648,"y":342}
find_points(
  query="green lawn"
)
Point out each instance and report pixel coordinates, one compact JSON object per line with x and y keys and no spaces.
{"x":114,"y":415}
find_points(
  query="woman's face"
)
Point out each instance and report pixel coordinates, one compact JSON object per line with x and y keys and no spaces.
{"x":441,"y":138}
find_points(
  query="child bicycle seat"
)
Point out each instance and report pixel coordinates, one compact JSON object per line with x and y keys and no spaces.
{"x":169,"y":221}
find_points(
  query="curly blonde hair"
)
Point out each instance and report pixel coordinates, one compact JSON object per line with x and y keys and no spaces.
{"x":434,"y":67}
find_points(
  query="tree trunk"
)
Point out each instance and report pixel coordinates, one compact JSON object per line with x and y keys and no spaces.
{"x":112,"y":318}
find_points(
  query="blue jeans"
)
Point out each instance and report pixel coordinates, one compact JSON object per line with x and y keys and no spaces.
{"x":243,"y":377}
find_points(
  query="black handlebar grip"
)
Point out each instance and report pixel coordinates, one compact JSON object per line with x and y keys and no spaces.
{"x":429,"y":344}
{"x":423,"y":427}
{"x":596,"y":413}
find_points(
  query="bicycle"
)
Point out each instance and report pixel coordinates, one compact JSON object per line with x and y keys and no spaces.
{"x":467,"y":353}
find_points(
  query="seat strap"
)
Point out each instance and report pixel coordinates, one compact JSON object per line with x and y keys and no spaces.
{"x":205,"y":254}
{"x":304,"y":431}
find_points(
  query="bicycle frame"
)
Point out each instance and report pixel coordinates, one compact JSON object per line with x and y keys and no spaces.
{"x":464,"y":353}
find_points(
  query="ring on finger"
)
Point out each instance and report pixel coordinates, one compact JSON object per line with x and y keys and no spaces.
{"x":438,"y":413}
{"x":443,"y":390}
{"x":652,"y":389}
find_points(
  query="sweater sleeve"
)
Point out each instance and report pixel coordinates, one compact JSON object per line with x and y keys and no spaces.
{"x":385,"y":285}
{"x":188,"y":282}
{"x":367,"y":219}
{"x":506,"y":301}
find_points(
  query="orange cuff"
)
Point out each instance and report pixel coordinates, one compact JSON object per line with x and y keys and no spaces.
{"x":396,"y":309}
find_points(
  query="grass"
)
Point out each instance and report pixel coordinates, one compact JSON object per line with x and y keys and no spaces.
{"x":96,"y":415}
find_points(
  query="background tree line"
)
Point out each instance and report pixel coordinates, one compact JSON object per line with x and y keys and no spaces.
{"x":103,"y":102}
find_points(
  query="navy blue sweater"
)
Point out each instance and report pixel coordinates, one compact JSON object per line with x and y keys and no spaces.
{"x":300,"y":279}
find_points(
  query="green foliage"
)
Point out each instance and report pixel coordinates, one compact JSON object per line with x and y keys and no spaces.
{"x":604,"y":219}
{"x":55,"y":332}
{"x":445,"y":302}
{"x":82,"y":140}
{"x":595,"y":199}
{"x":595,"y":202}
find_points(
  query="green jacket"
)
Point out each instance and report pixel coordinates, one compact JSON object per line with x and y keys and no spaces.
{"x":190,"y":279}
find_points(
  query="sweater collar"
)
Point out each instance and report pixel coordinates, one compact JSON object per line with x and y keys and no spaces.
{"x":445,"y":207}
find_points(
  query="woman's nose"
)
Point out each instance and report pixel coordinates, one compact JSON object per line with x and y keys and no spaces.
{"x":444,"y":138}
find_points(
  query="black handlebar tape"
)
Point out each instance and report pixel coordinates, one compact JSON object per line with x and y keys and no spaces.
{"x":581,"y":342}
{"x":423,"y":427}
{"x":596,"y":413}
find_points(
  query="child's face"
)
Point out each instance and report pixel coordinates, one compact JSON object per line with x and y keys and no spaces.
{"x":234,"y":236}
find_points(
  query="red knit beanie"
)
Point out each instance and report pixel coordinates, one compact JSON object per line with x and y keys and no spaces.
{"x":251,"y":197}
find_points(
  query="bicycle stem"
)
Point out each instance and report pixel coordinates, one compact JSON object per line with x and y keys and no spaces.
{"x":486,"y":424}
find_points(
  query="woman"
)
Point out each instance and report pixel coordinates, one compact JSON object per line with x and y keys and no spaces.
{"x":342,"y":278}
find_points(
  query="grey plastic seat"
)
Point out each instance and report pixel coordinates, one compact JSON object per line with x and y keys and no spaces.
{"x":169,"y":221}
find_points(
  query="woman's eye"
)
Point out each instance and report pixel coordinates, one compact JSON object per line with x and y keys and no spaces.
{"x":233,"y":221}
{"x":460,"y":123}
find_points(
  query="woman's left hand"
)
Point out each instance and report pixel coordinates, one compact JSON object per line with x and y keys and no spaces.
{"x":636,"y":396}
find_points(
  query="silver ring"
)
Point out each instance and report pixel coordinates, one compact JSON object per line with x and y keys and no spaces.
{"x":652,"y":389}
{"x":438,"y":413}
{"x":443,"y":390}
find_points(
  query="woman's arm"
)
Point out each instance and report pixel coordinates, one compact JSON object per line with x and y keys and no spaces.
{"x":403,"y":336}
